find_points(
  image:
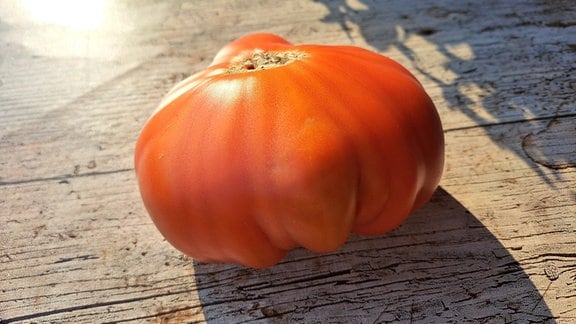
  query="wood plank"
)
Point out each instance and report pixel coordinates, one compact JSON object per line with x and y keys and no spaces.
{"x":448,"y":262}
{"x":98,"y":246}
{"x":482,"y":65}
{"x":496,"y":243}
{"x":96,"y":132}
{"x":94,"y":247}
{"x":110,"y":115}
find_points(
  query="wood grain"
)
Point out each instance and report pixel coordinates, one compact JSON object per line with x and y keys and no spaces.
{"x":496,"y":244}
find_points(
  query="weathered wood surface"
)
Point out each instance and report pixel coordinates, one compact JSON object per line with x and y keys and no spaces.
{"x":496,"y":244}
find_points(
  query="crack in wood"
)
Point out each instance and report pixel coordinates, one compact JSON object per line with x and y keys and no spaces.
{"x":78,"y":258}
{"x":296,"y":281}
{"x":87,"y":306}
{"x":508,"y":122}
{"x":536,"y":146}
{"x":64,"y":178}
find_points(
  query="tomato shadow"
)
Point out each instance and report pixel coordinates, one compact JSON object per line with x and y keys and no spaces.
{"x":494,"y":64}
{"x":441,"y":265}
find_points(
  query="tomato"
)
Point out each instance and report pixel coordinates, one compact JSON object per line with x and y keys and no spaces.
{"x":276,"y":146}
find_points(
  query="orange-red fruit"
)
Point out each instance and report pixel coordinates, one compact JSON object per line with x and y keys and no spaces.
{"x":276,"y":146}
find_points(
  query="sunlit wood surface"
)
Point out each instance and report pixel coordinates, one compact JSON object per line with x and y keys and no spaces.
{"x":496,"y":244}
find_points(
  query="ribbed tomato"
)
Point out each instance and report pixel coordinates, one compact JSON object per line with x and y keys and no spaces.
{"x":276,"y":146}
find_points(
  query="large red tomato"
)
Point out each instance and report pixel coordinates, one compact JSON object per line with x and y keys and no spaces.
{"x":276,"y":146}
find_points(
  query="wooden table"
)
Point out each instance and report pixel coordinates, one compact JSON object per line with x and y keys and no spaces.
{"x":496,"y":244}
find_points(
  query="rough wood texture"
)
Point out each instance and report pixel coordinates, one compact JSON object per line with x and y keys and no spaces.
{"x":496,"y":244}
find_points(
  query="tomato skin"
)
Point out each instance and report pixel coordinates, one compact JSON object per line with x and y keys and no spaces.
{"x":241,"y":167}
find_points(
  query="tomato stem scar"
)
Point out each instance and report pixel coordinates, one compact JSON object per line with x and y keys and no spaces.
{"x":262,"y":60}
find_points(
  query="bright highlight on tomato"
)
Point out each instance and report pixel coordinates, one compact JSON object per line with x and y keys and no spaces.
{"x":276,"y":146}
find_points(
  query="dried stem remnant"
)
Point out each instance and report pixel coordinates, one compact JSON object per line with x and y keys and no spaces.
{"x":261,"y":60}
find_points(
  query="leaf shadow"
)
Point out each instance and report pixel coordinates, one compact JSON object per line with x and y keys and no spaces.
{"x":441,"y":265}
{"x":495,"y":64}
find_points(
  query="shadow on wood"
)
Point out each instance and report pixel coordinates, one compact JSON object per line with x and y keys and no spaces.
{"x":494,"y":64}
{"x":441,"y":265}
